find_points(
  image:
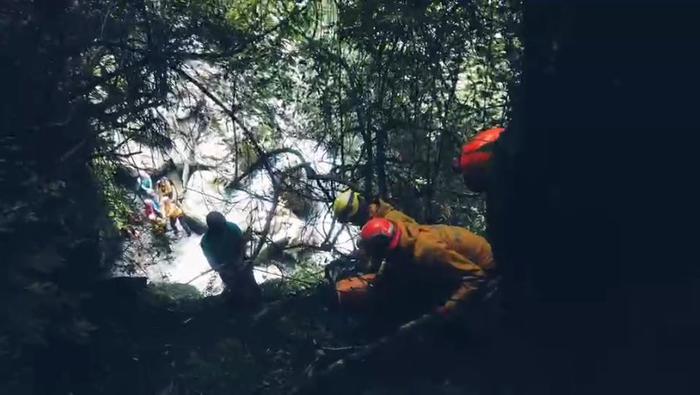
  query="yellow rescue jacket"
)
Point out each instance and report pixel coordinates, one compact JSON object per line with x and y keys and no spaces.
{"x":172,"y":210}
{"x":382,"y":209}
{"x":444,"y":252}
{"x":166,"y":189}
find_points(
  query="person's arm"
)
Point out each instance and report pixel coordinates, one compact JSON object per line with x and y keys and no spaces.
{"x":364,"y":262}
{"x":174,"y":189}
{"x":213,"y":262}
{"x":215,"y":265}
{"x":369,"y":264}
{"x":236,"y":234}
{"x":146,"y":186}
{"x":432,"y":251}
{"x":238,"y":246}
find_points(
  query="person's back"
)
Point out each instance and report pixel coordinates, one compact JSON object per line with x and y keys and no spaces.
{"x":350,"y":206}
{"x":424,"y":239}
{"x":145,"y":184}
{"x":426,"y":262}
{"x":223,"y":246}
{"x":381,"y":209}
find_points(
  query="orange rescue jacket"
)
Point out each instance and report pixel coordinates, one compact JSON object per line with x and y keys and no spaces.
{"x":172,"y":210}
{"x":446,"y":252}
{"x":382,"y":209}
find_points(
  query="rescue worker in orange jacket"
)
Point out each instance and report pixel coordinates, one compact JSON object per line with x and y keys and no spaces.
{"x":438,"y":266}
{"x":474,"y":163}
{"x":350,"y":206}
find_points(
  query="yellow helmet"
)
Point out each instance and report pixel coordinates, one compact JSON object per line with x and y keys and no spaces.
{"x":346,"y":204}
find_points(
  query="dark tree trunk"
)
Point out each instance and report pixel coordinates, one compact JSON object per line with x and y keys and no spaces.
{"x":381,"y":162}
{"x":584,"y":209}
{"x":365,"y":125}
{"x":369,"y":165}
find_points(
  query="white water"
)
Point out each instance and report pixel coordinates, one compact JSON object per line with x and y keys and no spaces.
{"x":207,"y":141}
{"x":189,"y":264}
{"x":205,"y":192}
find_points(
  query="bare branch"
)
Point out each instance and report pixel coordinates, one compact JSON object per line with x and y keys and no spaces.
{"x":226,"y":109}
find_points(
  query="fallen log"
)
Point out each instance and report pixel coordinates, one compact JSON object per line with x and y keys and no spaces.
{"x":319,"y":380}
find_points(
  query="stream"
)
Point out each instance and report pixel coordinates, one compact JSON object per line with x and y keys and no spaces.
{"x":247,"y":207}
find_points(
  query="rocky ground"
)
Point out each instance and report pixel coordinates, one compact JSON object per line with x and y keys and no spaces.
{"x":168,"y":339}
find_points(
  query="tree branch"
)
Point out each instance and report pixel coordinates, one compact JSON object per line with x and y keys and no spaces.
{"x":259,"y":162}
{"x":249,"y":135}
{"x":320,"y":379}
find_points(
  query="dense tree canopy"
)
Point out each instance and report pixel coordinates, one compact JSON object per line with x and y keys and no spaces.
{"x":585,"y":210}
{"x":398,"y":86}
{"x":390,"y":88}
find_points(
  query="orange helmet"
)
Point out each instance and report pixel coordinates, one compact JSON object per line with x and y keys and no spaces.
{"x":379,"y":236}
{"x":473,"y":163}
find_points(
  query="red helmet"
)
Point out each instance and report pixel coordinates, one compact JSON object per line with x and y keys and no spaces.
{"x":474,"y":160}
{"x":379,"y":235}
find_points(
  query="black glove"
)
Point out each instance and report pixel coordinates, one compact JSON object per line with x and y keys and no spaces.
{"x":341,"y":268}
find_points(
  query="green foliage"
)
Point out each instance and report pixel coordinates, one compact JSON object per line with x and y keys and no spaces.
{"x":394,"y":88}
{"x":120,"y":207}
{"x":78,"y":76}
{"x":178,"y":294}
{"x":306,"y":276}
{"x":391,"y":88}
{"x":257,"y":15}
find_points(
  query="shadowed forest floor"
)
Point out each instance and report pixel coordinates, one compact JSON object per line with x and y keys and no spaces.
{"x":150,"y":343}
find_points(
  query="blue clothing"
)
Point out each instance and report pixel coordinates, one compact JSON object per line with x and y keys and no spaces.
{"x":145,"y":183}
{"x":223,"y":248}
{"x":157,"y":208}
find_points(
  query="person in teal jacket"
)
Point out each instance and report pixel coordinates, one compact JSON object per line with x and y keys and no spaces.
{"x":145,"y":183}
{"x":224,"y":247}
